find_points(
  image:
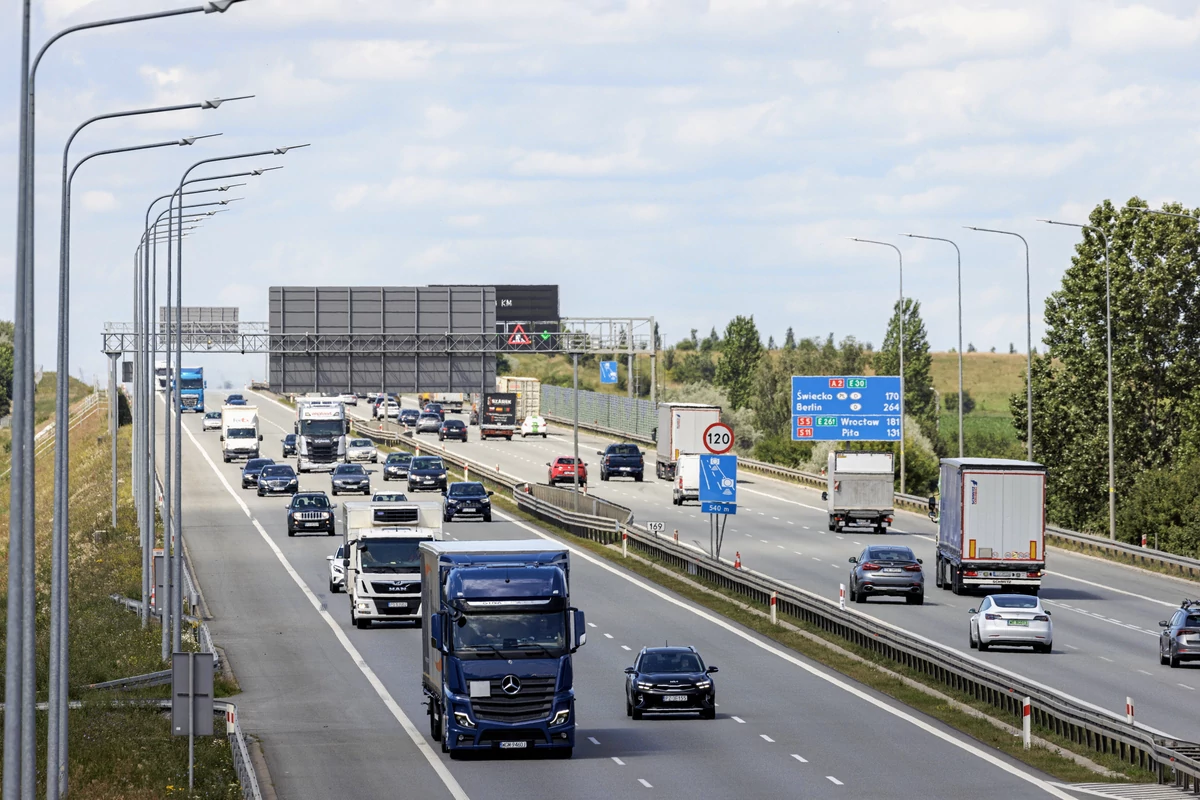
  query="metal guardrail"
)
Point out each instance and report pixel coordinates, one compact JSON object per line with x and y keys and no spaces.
{"x":160,"y":678}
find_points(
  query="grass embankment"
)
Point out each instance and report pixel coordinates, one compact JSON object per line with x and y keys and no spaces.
{"x":991,"y":379}
{"x":123,"y":753}
{"x":43,"y":412}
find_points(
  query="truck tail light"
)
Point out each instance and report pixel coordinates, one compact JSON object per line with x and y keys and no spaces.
{"x":913,"y":568}
{"x":869,"y":567}
{"x":1034,"y":574}
{"x":970,"y":573}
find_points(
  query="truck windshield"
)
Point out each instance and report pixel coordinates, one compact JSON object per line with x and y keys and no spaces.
{"x":389,"y":555}
{"x":322,"y":427}
{"x":241,"y":433}
{"x":192,"y":383}
{"x":486,"y":635}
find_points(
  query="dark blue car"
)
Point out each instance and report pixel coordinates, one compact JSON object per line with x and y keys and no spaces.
{"x":426,"y":472}
{"x":467,"y":499}
{"x":252,"y":470}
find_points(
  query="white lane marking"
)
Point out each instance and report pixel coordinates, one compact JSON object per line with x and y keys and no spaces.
{"x":797,"y":552}
{"x":775,"y":518}
{"x":739,"y":720}
{"x":389,"y":702}
{"x":608,"y":636}
{"x":593,"y":740}
{"x":1100,"y":617}
{"x":645,"y":783}
{"x":764,"y":541}
{"x":801,"y":759}
{"x":1071,"y":646}
{"x":766,"y":738}
{"x":591,"y":624}
{"x":833,"y":780}
{"x":1145,"y":673}
{"x":729,"y":627}
{"x":790,"y":522}
{"x":1184,"y":685}
{"x":748,"y":536}
{"x":624,"y":647}
{"x":782,"y":500}
{"x":856,"y":543}
{"x":841,"y":538}
{"x":781,"y":547}
{"x":814,"y":558}
{"x":1106,"y":587}
{"x":806,"y":528}
{"x":1102,"y":658}
{"x":618,"y":761}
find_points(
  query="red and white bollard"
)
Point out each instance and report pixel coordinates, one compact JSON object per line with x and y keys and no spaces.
{"x":624,"y":544}
{"x":842,"y":596}
{"x":418,"y":451}
{"x":230,"y":718}
{"x":677,"y":536}
{"x":737,"y":556}
{"x":1129,"y":710}
{"x":466,"y":472}
{"x":1026,"y":735}
{"x":1143,"y":540}
{"x":774,"y":619}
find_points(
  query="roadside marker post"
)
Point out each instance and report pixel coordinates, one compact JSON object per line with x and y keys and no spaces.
{"x":624,"y":545}
{"x":774,"y":600}
{"x":1129,"y":710}
{"x":1026,"y":735}
{"x":842,"y":596}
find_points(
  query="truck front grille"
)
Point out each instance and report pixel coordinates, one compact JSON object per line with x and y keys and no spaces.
{"x":396,"y":587}
{"x":189,"y":401}
{"x":322,"y":453}
{"x":533,"y":701}
{"x":393,"y":515}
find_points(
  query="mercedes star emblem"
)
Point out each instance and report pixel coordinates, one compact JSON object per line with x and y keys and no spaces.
{"x":510,"y":684}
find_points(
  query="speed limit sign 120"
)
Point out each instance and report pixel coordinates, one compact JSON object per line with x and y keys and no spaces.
{"x":718,"y":438}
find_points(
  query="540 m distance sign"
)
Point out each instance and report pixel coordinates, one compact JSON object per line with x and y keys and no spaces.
{"x":718,"y":438}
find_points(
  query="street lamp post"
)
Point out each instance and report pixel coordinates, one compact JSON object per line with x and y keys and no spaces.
{"x":1028,"y":341}
{"x":1112,"y":492}
{"x":960,"y":349}
{"x":900,"y":346}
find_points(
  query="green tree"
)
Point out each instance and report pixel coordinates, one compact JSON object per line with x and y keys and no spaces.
{"x":1155,"y":290}
{"x":694,"y":368}
{"x":789,"y":341}
{"x":971,"y":348}
{"x":741,"y":352}
{"x":951,"y":402}
{"x":919,"y":400}
{"x":770,"y":343}
{"x":6,"y":367}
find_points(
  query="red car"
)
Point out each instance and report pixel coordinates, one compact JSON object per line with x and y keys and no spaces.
{"x":562,"y":470}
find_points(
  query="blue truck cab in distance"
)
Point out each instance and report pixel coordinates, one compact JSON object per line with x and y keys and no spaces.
{"x":191,"y":389}
{"x":498,"y":634}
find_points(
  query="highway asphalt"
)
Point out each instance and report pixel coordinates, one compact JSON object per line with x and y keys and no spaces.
{"x":341,"y":709}
{"x":1105,"y":615}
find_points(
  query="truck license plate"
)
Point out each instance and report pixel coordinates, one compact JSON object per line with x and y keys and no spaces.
{"x":397,"y":604}
{"x":675,"y":698}
{"x":1000,"y":574}
{"x":513,"y":745}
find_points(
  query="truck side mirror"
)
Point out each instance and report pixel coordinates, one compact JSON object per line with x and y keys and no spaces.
{"x":578,"y":629}
{"x":933,"y":504}
{"x":260,"y":437}
{"x":824,"y":495}
{"x":435,"y":632}
{"x":222,"y":437}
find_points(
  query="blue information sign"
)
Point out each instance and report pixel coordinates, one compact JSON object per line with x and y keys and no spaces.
{"x":835,"y":408}
{"x":608,"y":372}
{"x":718,"y":481}
{"x":718,"y":508}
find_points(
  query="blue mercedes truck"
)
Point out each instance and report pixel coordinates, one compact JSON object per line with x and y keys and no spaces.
{"x":499,"y":631}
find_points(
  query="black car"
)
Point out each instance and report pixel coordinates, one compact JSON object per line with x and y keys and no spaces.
{"x":434,"y":408}
{"x":350,"y":478}
{"x":426,"y":472}
{"x":670,"y":680}
{"x":467,"y":499}
{"x":310,"y":511}
{"x":277,"y":479}
{"x":409,"y":417}
{"x":621,"y":460}
{"x":396,"y":466}
{"x":1180,"y":639}
{"x":235,"y":400}
{"x":253,"y":467}
{"x":289,"y":445}
{"x":452,"y":429}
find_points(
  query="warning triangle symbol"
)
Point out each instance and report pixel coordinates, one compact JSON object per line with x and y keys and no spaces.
{"x":519,"y":336}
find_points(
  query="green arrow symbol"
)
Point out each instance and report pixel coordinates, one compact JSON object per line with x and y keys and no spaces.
{"x":545,"y":335}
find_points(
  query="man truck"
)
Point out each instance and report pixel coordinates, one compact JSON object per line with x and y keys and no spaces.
{"x":496,"y":654}
{"x":320,"y":433}
{"x":860,"y":489}
{"x":191,"y":389}
{"x":991,"y":525}
{"x":380,"y":558}
{"x":239,"y":432}
{"x":680,"y":430}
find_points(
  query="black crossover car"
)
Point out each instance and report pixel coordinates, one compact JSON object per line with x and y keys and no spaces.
{"x":1180,"y":639}
{"x":289,"y":445}
{"x":350,"y":478}
{"x":427,"y":472}
{"x":467,"y":499}
{"x":670,"y":680}
{"x":310,"y":511}
{"x":252,"y":469}
{"x":396,"y":466}
{"x":277,"y":479}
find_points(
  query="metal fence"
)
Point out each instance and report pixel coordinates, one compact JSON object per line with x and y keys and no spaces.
{"x":625,"y":416}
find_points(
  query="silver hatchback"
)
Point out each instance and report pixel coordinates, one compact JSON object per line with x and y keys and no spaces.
{"x":429,"y":423}
{"x":887,"y":570}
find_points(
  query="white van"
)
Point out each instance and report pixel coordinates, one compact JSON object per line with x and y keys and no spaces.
{"x":687,"y":479}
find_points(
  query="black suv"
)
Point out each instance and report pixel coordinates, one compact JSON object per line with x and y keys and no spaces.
{"x":1180,"y":639}
{"x":310,"y":511}
{"x":277,"y":479}
{"x":621,"y":459}
{"x":467,"y":499}
{"x":252,"y":469}
{"x":670,"y":680}
{"x":350,"y":478}
{"x":396,"y":466}
{"x":426,"y":472}
{"x":289,"y":445}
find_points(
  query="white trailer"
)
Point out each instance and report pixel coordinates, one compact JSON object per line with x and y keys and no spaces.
{"x":860,"y":489}
{"x":239,"y":433}
{"x":991,"y":525}
{"x":681,"y":430}
{"x":381,"y":559}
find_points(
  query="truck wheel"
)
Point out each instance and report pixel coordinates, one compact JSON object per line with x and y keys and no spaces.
{"x":956,"y":586}
{"x":832,"y":524}
{"x":226,"y":459}
{"x":435,"y":724}
{"x":937,"y":574}
{"x":362,"y":624}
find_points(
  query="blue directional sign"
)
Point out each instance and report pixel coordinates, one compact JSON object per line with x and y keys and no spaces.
{"x":718,"y":481}
{"x":718,"y":508}
{"x":608,"y":372}
{"x":829,"y":408}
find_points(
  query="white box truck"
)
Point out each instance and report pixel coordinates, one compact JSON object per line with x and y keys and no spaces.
{"x":381,"y":559}
{"x":681,"y":430}
{"x":860,"y":489}
{"x":239,"y":432}
{"x":991,"y":519}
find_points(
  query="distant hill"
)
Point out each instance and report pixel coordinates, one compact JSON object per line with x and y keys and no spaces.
{"x":990,"y":378}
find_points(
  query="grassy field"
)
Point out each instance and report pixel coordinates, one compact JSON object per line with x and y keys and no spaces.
{"x":43,"y":408}
{"x":990,"y":378}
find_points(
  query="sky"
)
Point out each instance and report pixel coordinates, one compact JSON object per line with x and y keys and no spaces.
{"x":683,"y":159}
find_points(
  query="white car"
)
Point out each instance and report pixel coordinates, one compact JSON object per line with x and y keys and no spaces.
{"x":337,"y":573}
{"x":349,"y":398}
{"x":389,"y":497}
{"x":362,"y":450}
{"x":533,"y":426}
{"x":1014,"y":620}
{"x":212,"y":421}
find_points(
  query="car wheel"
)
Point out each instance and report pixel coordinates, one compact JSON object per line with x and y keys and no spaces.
{"x":445,"y":518}
{"x":1173,"y":661}
{"x":329,"y":532}
{"x":291,"y":532}
{"x":915,"y":599}
{"x":332,"y":587}
{"x":487,"y":517}
{"x":853,"y":594}
{"x":981,"y":645}
{"x":637,"y":714}
{"x":637,"y":478}
{"x":860,"y":597}
{"x":708,"y":713}
{"x":1162,"y":660}
{"x":259,"y":493}
{"x":1043,"y":648}
{"x":971,"y":637}
{"x":333,"y":492}
{"x":628,"y":707}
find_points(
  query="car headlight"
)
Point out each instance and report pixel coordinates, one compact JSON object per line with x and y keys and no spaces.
{"x":645,"y":685}
{"x":561,"y":717}
{"x":450,"y":501}
{"x":704,"y":684}
{"x":463,"y":719}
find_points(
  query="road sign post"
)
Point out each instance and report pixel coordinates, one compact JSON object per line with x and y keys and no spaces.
{"x":608,"y":372}
{"x":846,"y":408}
{"x":718,"y":489}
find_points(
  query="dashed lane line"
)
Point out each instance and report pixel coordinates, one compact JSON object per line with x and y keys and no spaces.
{"x":766,"y":738}
{"x":800,"y":758}
{"x":593,"y":740}
{"x":618,"y":761}
{"x":834,"y":780}
{"x":645,"y":783}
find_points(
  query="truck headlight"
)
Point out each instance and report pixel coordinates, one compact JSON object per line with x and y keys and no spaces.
{"x":560,"y":718}
{"x":364,"y":605}
{"x":463,"y":719}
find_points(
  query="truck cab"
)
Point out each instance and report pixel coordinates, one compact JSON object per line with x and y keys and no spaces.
{"x":380,"y":557}
{"x":320,"y":433}
{"x":496,"y":657}
{"x":191,"y":389}
{"x":239,"y":432}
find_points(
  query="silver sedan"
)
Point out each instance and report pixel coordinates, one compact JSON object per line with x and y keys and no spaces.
{"x":362,"y":450}
{"x":1016,"y":620}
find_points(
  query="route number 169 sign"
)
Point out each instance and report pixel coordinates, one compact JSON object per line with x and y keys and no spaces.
{"x":718,"y":438}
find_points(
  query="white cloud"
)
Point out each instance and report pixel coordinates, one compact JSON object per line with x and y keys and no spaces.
{"x":377,"y":60}
{"x":441,"y":121}
{"x":950,"y":32}
{"x":99,"y":202}
{"x":1133,"y":29}
{"x":350,"y":197}
{"x":714,"y":126}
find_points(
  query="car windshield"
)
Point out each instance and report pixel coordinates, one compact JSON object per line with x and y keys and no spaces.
{"x":350,"y":469}
{"x":398,"y":458}
{"x":624,"y":450}
{"x":1014,"y":601}
{"x":241,"y":433}
{"x":213,"y":415}
{"x":278,"y":471}
{"x":360,"y":442}
{"x":671,"y":662}
{"x":432,"y":417}
{"x":389,"y":555}
{"x":310,"y":501}
{"x":567,"y":461}
{"x":427,"y":462}
{"x":322,"y":427}
{"x":234,"y":397}
{"x":256,"y":464}
{"x":892,"y":554}
{"x":467,"y":490}
{"x":290,"y":438}
{"x":485,"y":634}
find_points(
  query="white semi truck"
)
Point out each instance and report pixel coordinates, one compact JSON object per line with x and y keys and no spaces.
{"x":381,"y":558}
{"x":681,"y":429}
{"x":239,"y":433}
{"x":991,"y":519}
{"x":860,"y":491}
{"x":320,"y":433}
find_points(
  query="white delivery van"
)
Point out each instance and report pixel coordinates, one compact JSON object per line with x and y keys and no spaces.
{"x":687,"y":479}
{"x":239,"y":432}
